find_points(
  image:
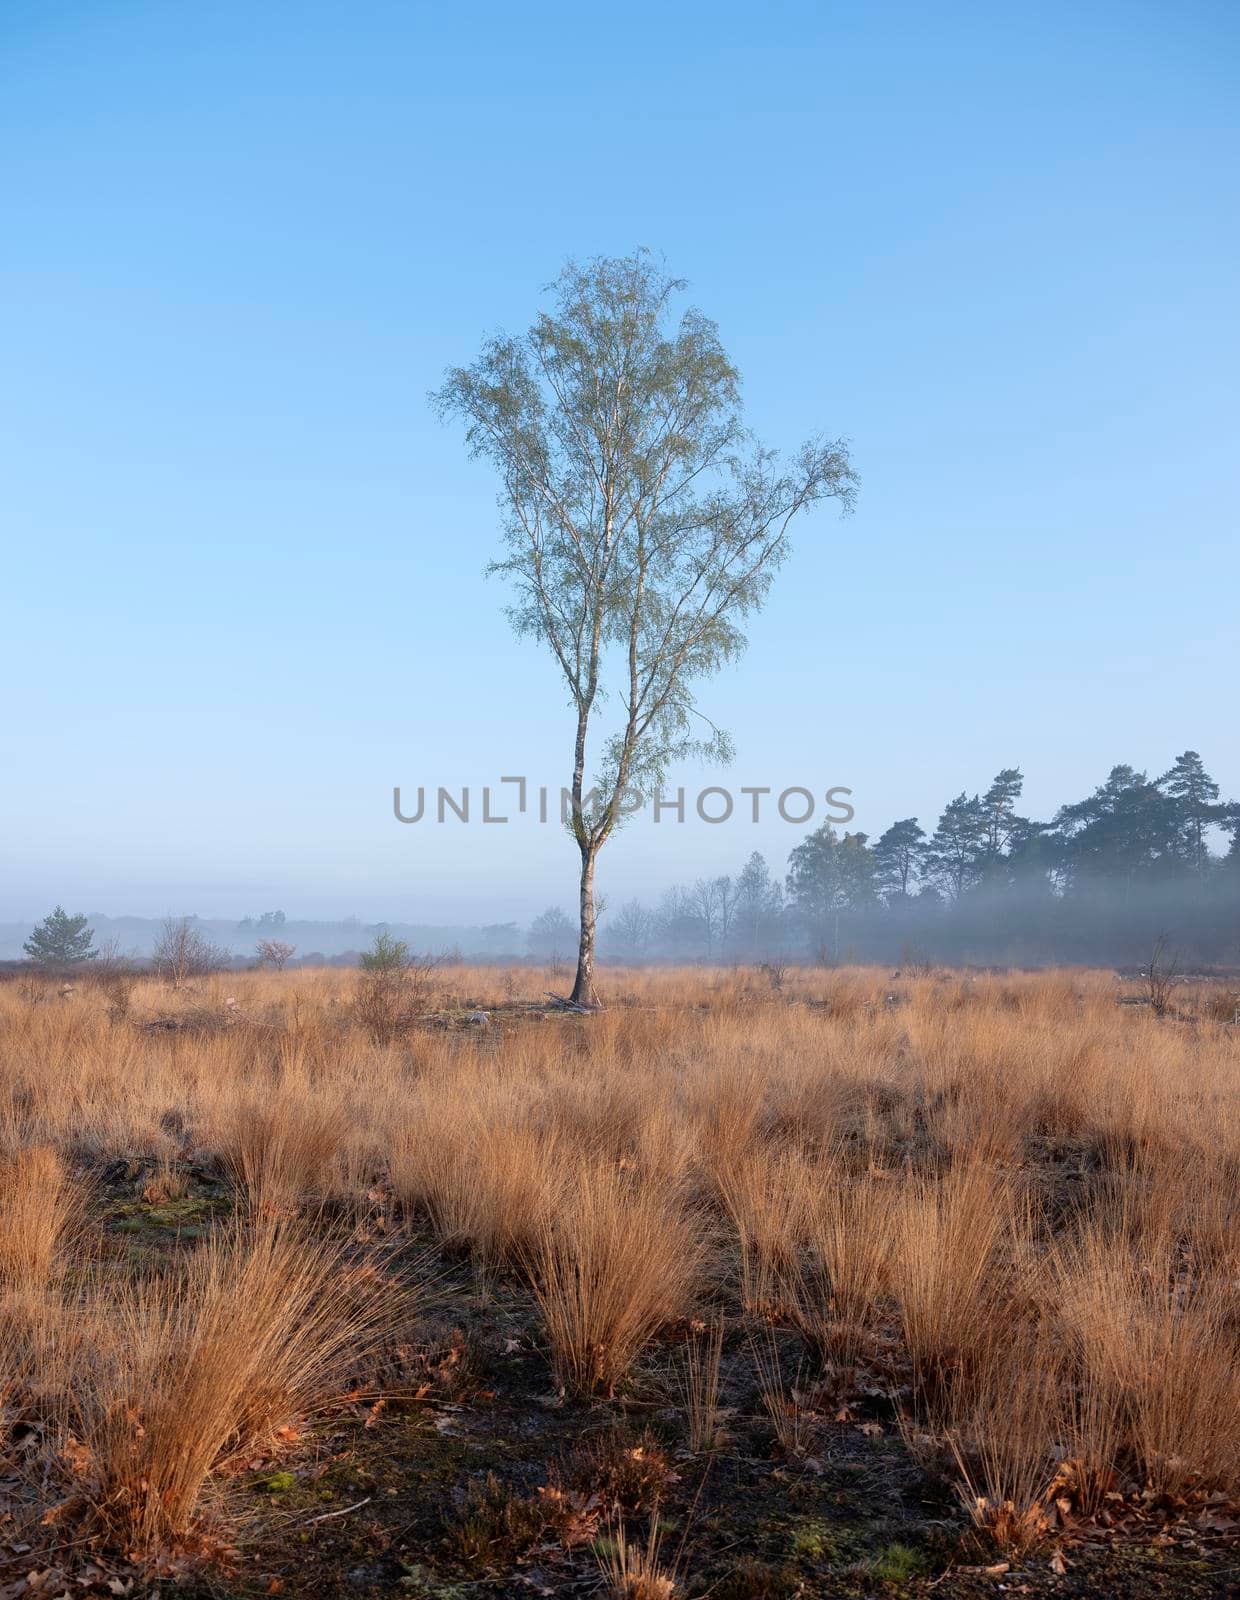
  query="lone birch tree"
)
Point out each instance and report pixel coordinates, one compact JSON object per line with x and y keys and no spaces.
{"x":643,"y":522}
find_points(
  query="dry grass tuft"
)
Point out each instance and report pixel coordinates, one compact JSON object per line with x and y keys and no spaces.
{"x":486,"y":1183}
{"x":619,"y":1260}
{"x":947,"y":1267}
{"x":792,"y":1423}
{"x":633,"y":1571}
{"x":834,"y":1289}
{"x":277,"y":1148}
{"x":766,"y":1195}
{"x":698,"y":1375}
{"x":1003,"y":1427}
{"x":1158,"y":1350}
{"x":40,"y":1211}
{"x":256,"y":1331}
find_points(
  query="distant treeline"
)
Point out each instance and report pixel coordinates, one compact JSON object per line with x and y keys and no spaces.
{"x":316,"y":942}
{"x":1102,"y":881}
{"x":1139,"y":860}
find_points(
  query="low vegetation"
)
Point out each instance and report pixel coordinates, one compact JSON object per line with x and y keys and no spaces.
{"x":853,"y":1282}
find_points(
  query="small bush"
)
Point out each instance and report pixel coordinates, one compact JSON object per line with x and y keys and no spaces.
{"x":394,"y":989}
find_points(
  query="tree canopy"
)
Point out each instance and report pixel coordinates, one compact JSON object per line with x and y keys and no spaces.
{"x":61,"y":940}
{"x":642,"y":521}
{"x":1102,"y":880}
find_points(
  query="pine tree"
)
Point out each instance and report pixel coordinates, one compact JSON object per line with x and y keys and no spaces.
{"x":1127,"y":829}
{"x":61,"y":940}
{"x":1003,"y":826}
{"x":857,"y":869}
{"x":958,"y":844}
{"x":1196,"y":800}
{"x":898,"y":854}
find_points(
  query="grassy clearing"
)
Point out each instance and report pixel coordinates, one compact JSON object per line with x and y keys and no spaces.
{"x":973,"y":1233}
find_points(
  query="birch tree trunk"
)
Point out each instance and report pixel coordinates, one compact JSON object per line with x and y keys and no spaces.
{"x":584,"y":993}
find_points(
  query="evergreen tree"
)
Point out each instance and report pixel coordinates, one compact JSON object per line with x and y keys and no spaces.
{"x":1196,"y":798}
{"x":857,"y":870}
{"x":1127,"y":829}
{"x":1034,"y":853}
{"x":898,"y":855}
{"x":1003,"y":826}
{"x":1230,"y":822}
{"x":957,"y":846}
{"x":61,"y":940}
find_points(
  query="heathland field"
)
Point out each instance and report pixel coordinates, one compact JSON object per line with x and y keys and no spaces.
{"x":756,"y":1283}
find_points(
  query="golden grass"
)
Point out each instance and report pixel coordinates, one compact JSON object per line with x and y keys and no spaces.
{"x":634,"y":1570}
{"x":255,"y":1332}
{"x":697,"y":1379}
{"x":837,"y":1281}
{"x":950,"y":1269}
{"x":483,"y":1178}
{"x":1011,"y":1194}
{"x":40,"y":1209}
{"x":617,"y":1261}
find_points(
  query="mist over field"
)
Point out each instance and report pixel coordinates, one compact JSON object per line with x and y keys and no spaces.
{"x":1139,"y":864}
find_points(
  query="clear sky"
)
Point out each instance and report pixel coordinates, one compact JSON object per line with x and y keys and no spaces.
{"x":242,"y":576}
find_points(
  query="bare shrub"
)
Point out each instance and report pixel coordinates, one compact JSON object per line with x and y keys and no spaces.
{"x":117,"y":976}
{"x":274,"y":953}
{"x":183,"y":952}
{"x":1162,"y":976}
{"x":775,"y":971}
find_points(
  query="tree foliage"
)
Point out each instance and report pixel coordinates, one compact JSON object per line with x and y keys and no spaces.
{"x":1102,"y":880}
{"x":61,"y":940}
{"x":643,"y":522}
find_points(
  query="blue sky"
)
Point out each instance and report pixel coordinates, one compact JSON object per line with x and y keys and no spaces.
{"x":243,"y":564}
